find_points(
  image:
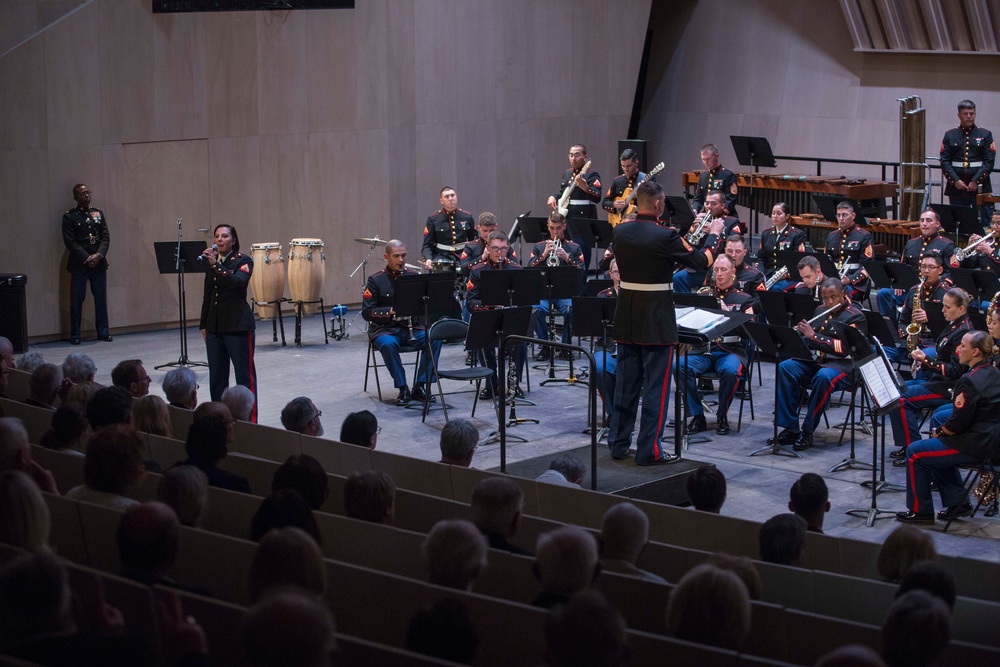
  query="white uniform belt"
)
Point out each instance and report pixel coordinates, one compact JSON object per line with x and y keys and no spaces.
{"x":580,"y":202}
{"x":647,"y":287}
{"x":851,"y":267}
{"x":959,"y":163}
{"x":453,"y":248}
{"x":729,"y":339}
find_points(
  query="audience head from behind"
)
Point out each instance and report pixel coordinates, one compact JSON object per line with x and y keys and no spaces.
{"x":35,"y":601}
{"x":916,"y":630}
{"x":360,"y":428}
{"x":30,"y":361}
{"x":43,"y":386}
{"x":852,"y":655}
{"x":112,"y":466}
{"x":454,"y":553}
{"x":24,"y":516}
{"x":566,"y":562}
{"x":564,"y":470}
{"x":304,"y":474}
{"x":239,"y":400}
{"x":302,"y":416}
{"x":459,"y":439}
{"x":782,"y":540}
{"x":288,"y":628}
{"x":69,"y":430}
{"x":109,"y":406}
{"x":82,"y":392}
{"x":743,"y":568}
{"x":497,"y":503}
{"x":185,"y":490}
{"x":903,"y":548}
{"x":180,"y":386}
{"x":132,"y":377}
{"x":218,"y":409}
{"x":150,"y":415}
{"x":624,"y":533}
{"x":370,"y":496}
{"x":287,"y":557}
{"x":930,"y":576}
{"x":710,"y":606}
{"x":444,"y":630}
{"x":282,"y":509}
{"x":810,"y":499}
{"x":706,"y":487}
{"x":148,"y":540}
{"x":587,"y":631}
{"x":207,"y":440}
{"x":77,"y":367}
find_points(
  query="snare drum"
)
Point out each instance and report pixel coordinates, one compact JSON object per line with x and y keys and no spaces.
{"x":442,"y":265}
{"x":267,"y":282}
{"x":306,"y":272}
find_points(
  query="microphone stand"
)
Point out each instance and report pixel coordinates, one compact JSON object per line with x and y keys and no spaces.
{"x":183,"y":360}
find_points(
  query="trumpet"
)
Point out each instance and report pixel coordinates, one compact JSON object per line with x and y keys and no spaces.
{"x":962,"y":253}
{"x":553,"y":258}
{"x":698,"y":233}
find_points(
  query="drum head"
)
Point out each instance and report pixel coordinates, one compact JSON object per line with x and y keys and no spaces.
{"x":307,"y":242}
{"x":265,"y":246}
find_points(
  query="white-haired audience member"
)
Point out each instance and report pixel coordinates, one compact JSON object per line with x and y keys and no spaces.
{"x":459,"y":439}
{"x":710,"y":606}
{"x":30,"y":361}
{"x":565,"y":564}
{"x":496,"y":510}
{"x":180,"y":386}
{"x":43,"y":386}
{"x":564,"y":470}
{"x":454,"y":553}
{"x":289,"y":629}
{"x":77,"y":367}
{"x":239,"y":400}
{"x":15,"y":454}
{"x":624,"y":534}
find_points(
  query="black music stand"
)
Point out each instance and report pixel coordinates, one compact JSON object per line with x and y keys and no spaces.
{"x":875,"y":268}
{"x":595,"y":316}
{"x":517,"y":287}
{"x":858,"y":348}
{"x":879,"y":328}
{"x":753,"y":152}
{"x":487,"y":328}
{"x":827,"y":206}
{"x":988,"y":284}
{"x":678,"y":212}
{"x":180,"y":257}
{"x":965,"y":278}
{"x":780,"y":343}
{"x":598,"y":285}
{"x":935,"y":318}
{"x":559,"y":282}
{"x":787,"y":308}
{"x":515,"y":230}
{"x":791,"y":259}
{"x":597,"y":233}
{"x":695,"y":300}
{"x":534,"y":230}
{"x":901,"y":276}
{"x":956,"y":220}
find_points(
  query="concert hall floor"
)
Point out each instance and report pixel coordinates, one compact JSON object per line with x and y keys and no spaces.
{"x":333,"y":375}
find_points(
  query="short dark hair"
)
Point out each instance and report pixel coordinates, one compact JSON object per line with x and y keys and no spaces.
{"x":736,"y":238}
{"x":583,"y":149}
{"x":834,"y":282}
{"x":232,"y":232}
{"x":446,"y":187}
{"x":933,"y":255}
{"x":68,"y":423}
{"x":932,"y":577}
{"x":369,"y":496}
{"x":648,"y":191}
{"x":628,"y":155}
{"x":497,"y":234}
{"x":966,"y":104}
{"x":282,"y":509}
{"x":809,"y":261}
{"x":304,"y":474}
{"x":358,"y":428}
{"x":808,"y":494}
{"x":148,"y":538}
{"x":444,"y":630}
{"x":206,"y":440}
{"x":916,"y":630}
{"x":110,"y":405}
{"x":706,"y":487}
{"x":782,"y":539}
{"x":114,"y":460}
{"x":126,"y":372}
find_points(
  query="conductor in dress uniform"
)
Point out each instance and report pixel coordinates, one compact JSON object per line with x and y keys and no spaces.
{"x":85,"y":235}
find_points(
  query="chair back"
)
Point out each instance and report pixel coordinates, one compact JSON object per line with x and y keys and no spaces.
{"x":448,"y":330}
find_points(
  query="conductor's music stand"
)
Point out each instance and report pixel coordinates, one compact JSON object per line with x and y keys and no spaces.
{"x":753,"y":152}
{"x":958,"y":220}
{"x":595,"y":316}
{"x":487,"y":329}
{"x":180,"y":257}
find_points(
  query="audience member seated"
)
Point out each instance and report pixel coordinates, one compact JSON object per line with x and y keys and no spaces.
{"x":24,"y":516}
{"x":180,"y":386}
{"x":15,"y":454}
{"x":932,"y":577}
{"x":496,"y":508}
{"x":132,"y":377}
{"x":304,"y":474}
{"x":370,"y":496}
{"x":82,"y":392}
{"x":852,"y":655}
{"x":287,"y":557}
{"x":459,"y":439}
{"x":706,"y":487}
{"x":360,"y":428}
{"x":916,"y":630}
{"x":70,"y":430}
{"x":218,"y":409}
{"x":454,"y":553}
{"x":743,"y":568}
{"x":302,"y":416}
{"x":565,"y":564}
{"x":150,"y":415}
{"x":444,"y":630}
{"x":185,"y":490}
{"x":78,"y":367}
{"x":239,"y":400}
{"x":37,"y":621}
{"x":6,"y":363}
{"x":283,"y":509}
{"x":905,"y":547}
{"x":289,"y":629}
{"x":810,"y":499}
{"x":43,"y":386}
{"x":113,"y":465}
{"x":783,"y":540}
{"x":587,"y":632}
{"x":108,"y":407}
{"x":207,"y":445}
{"x":564,"y":470}
{"x":624,"y":534}
{"x":148,"y":540}
{"x":30,"y":361}
{"x":710,"y":606}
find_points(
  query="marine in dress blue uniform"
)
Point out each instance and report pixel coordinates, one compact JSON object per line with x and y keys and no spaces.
{"x":447,"y":231}
{"x":715,"y":177}
{"x":930,"y":240}
{"x":86,"y":237}
{"x":847,"y":246}
{"x":968,"y":154}
{"x":569,"y":254}
{"x":585,"y":195}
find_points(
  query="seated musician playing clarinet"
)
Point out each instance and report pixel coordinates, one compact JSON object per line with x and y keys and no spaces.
{"x":688,"y":280}
{"x":812,"y":277}
{"x":847,"y":246}
{"x":388,"y":332}
{"x":913,"y":320}
{"x":727,"y":356}
{"x":555,"y":251}
{"x":782,"y":237}
{"x":833,"y":368}
{"x":971,"y":434}
{"x":930,"y":239}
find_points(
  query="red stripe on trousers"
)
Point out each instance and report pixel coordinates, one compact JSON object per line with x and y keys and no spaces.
{"x":909,"y":469}
{"x":829,"y":391}
{"x":657,"y":450}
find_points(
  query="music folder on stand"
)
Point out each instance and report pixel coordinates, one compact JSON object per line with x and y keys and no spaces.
{"x":180,"y":257}
{"x":595,"y":317}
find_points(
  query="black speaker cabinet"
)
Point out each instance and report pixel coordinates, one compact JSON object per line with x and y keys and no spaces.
{"x":639,"y":146}
{"x":13,"y":310}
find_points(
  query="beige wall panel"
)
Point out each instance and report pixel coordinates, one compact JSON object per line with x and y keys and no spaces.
{"x":588,"y":71}
{"x":554,"y":59}
{"x":50,"y":10}
{"x":231,"y":73}
{"x":17,"y":22}
{"x":331,"y":72}
{"x":32,"y":239}
{"x":128,"y":102}
{"x":22,"y":115}
{"x":403,"y":198}
{"x":366,"y":214}
{"x":234,"y":172}
{"x":73,"y":80}
{"x":397,"y":80}
{"x":477,"y":166}
{"x":514,"y":75}
{"x":281,"y":67}
{"x":372,"y":64}
{"x":623,"y":56}
{"x":179,"y":76}
{"x":436,"y":51}
{"x":436,"y":153}
{"x":517,"y":187}
{"x":475,"y":47}
{"x":283,"y":184}
{"x":331,"y":184}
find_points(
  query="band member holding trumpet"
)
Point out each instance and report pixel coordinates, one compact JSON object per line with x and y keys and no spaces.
{"x":930,"y":239}
{"x":982,"y":253}
{"x":555,"y":251}
{"x":689,"y":279}
{"x":812,"y":277}
{"x":584,"y":188}
{"x":931,"y":289}
{"x":848,"y":245}
{"x":782,"y":237}
{"x":727,"y":355}
{"x":447,"y":232}
{"x":971,"y":434}
{"x":387,"y":332}
{"x":832,"y":369}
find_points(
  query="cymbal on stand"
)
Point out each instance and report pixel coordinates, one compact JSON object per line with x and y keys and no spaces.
{"x":372,"y":241}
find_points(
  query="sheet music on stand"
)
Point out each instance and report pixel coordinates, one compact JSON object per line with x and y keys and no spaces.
{"x":880,"y":382}
{"x":900,"y":382}
{"x":698,"y":320}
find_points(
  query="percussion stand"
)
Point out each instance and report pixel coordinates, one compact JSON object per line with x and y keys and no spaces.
{"x":363,"y":268}
{"x":172,"y":258}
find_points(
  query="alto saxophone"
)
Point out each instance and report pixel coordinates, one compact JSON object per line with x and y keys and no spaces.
{"x":914,"y":329}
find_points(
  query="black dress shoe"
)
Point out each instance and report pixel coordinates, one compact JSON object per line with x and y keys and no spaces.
{"x":785,"y":437}
{"x":106,"y":338}
{"x":898,"y":453}
{"x":404,"y":396}
{"x":543,"y":354}
{"x":696,"y":425}
{"x":666,"y":459}
{"x":470,"y":359}
{"x":620,"y":457}
{"x":805,"y":442}
{"x":565,"y":355}
{"x":722,"y":426}
{"x":913,"y":517}
{"x":486,"y":394}
{"x":955,"y":511}
{"x":419,"y":393}
{"x":899,"y":463}
{"x":517,"y":391}
{"x":75,"y":340}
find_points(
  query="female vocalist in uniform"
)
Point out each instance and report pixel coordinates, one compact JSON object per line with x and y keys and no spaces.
{"x":227,"y":324}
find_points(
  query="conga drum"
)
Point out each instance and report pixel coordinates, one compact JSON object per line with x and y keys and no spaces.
{"x":306,"y":272}
{"x":267,"y":282}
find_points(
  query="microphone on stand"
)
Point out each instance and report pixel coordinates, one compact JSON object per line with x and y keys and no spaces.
{"x":215,"y":246}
